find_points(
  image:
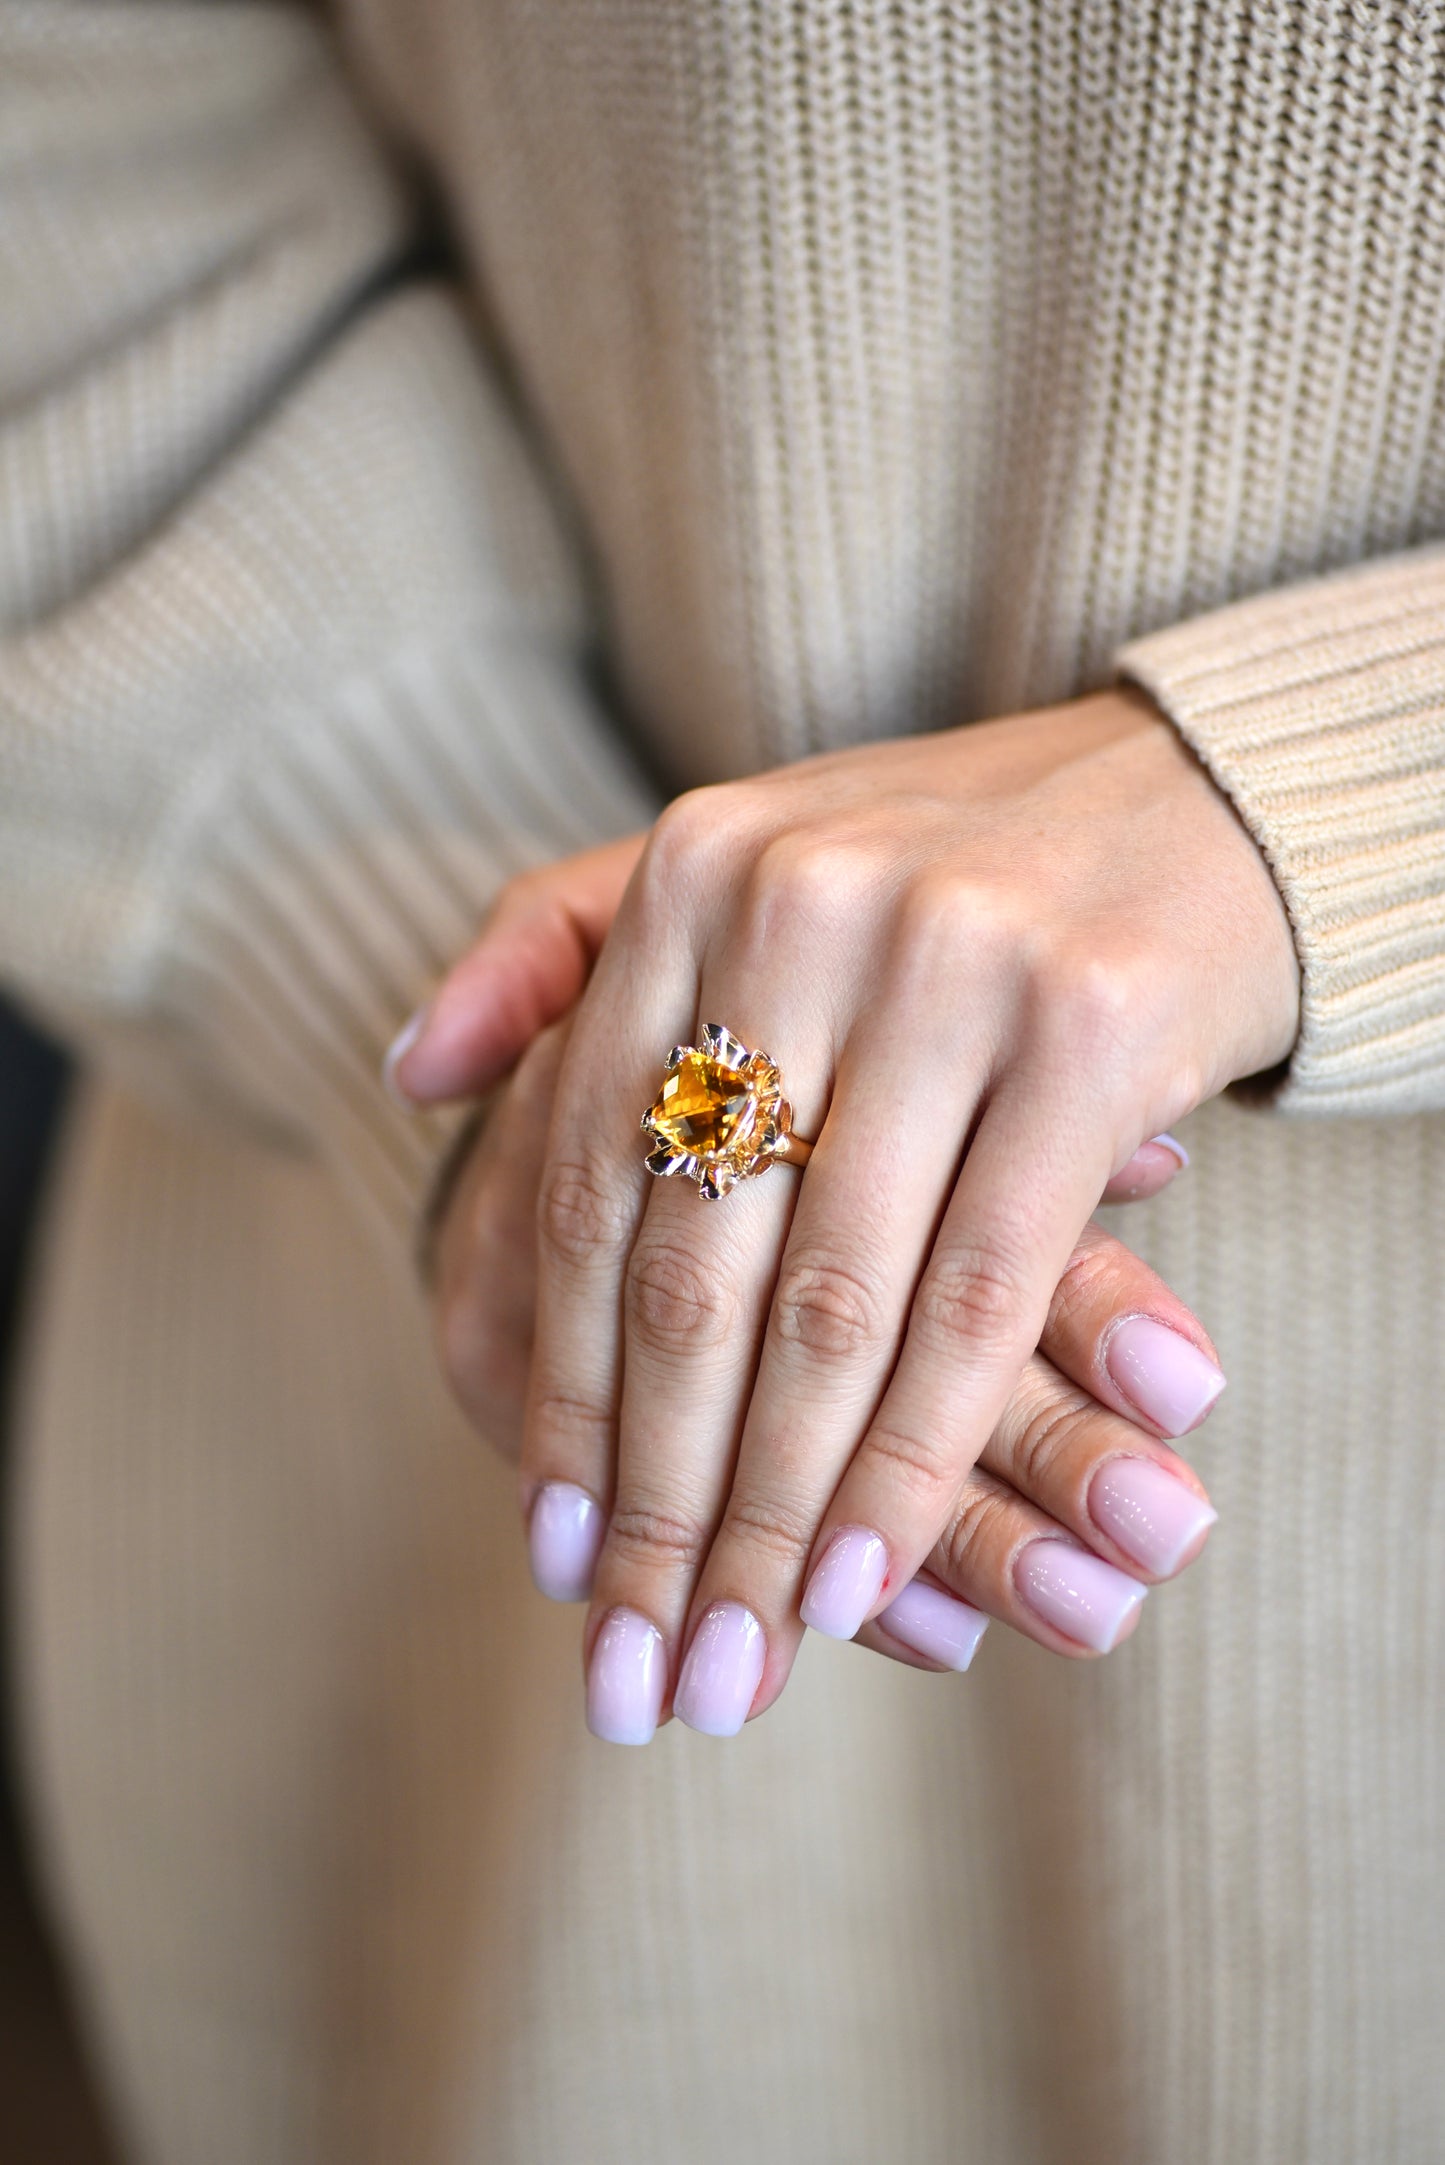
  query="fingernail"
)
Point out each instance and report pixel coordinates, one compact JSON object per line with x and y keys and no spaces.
{"x":1171,"y":1382}
{"x":933,"y":1623}
{"x":564,"y":1540}
{"x":625,"y":1680}
{"x":846,"y":1583}
{"x":1172,"y":1142}
{"x":1153,"y":1517}
{"x":397,"y":1051}
{"x":722,"y":1671}
{"x":1077,"y":1593}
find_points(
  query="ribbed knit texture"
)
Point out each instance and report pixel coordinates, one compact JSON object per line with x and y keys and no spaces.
{"x":824,"y":372}
{"x":1322,"y":712}
{"x":293,"y":658}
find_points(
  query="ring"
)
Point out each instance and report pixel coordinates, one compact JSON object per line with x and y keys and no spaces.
{"x":720,"y":1115}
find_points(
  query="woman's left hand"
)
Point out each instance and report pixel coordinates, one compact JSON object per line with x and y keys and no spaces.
{"x":991,"y":962}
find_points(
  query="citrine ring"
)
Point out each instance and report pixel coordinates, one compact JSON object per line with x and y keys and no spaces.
{"x":720,"y":1115}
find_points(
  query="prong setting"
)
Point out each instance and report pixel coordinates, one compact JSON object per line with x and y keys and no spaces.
{"x":720,"y":1115}
{"x":720,"y":1044}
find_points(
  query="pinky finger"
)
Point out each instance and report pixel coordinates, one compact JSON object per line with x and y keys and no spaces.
{"x":926,"y":1627}
{"x":1152,"y":1167}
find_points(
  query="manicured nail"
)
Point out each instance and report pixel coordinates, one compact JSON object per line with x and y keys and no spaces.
{"x":625,"y":1680}
{"x":846,"y":1584}
{"x":1171,"y":1382}
{"x":1172,"y":1142}
{"x":1153,"y":1517}
{"x":1077,"y":1593}
{"x":564,"y":1540}
{"x":934,"y":1624}
{"x":721,"y":1673}
{"x":397,"y":1051}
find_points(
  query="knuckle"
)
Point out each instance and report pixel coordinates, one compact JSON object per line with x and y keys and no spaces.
{"x":680,"y":826}
{"x":1056,"y":1421}
{"x":1091,"y":1283}
{"x":925,"y":1468}
{"x":1089,"y":1009}
{"x":977,"y":1294}
{"x":829,"y":1309}
{"x":809,"y":876}
{"x":570,"y":1419}
{"x":579,"y":1214}
{"x":649,"y":1535}
{"x":693,"y":827}
{"x":974,"y":1534}
{"x":947,"y":912}
{"x":771,"y":1526}
{"x":672,"y":1301}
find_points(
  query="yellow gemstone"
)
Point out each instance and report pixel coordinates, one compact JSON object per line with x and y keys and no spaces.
{"x":705,"y":1108}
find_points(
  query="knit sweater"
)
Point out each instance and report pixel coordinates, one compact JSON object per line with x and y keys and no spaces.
{"x":429,"y":439}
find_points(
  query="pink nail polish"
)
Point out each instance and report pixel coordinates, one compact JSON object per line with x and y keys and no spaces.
{"x":564,"y":1540}
{"x":1153,"y":1517}
{"x":625,"y":1679}
{"x":1172,"y":1142}
{"x":1171,"y":1382}
{"x":397,"y":1051}
{"x":934,"y":1624}
{"x":724,"y":1666}
{"x":1077,"y":1593}
{"x":846,"y":1583}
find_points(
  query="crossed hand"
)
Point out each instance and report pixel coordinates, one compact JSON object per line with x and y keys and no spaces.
{"x":914,"y":1387}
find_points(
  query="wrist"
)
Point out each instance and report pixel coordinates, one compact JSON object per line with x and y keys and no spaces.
{"x":1252,"y":917}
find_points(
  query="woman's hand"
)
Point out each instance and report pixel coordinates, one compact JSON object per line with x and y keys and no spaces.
{"x":529,"y":965}
{"x":524,"y":972}
{"x":990,"y":962}
{"x":1075,"y":1459}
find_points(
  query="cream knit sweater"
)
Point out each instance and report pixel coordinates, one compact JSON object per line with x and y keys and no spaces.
{"x":425,"y":441}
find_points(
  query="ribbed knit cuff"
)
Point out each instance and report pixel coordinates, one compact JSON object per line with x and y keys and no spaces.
{"x":338,"y":883}
{"x":1320,"y":710}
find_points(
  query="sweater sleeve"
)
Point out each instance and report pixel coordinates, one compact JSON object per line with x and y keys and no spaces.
{"x":292,"y":643}
{"x":1320,"y":710}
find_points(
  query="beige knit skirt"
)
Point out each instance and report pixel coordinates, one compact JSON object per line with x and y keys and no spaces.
{"x":344,"y":1881}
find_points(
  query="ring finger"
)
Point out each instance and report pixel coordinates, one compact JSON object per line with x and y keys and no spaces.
{"x":696,"y":1294}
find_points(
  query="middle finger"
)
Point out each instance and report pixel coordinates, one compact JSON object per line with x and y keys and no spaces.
{"x":872,"y":1194}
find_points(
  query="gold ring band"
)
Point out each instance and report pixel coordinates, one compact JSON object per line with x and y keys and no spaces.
{"x":720,"y":1115}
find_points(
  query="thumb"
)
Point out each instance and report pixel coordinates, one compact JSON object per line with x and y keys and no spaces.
{"x":526,"y":967}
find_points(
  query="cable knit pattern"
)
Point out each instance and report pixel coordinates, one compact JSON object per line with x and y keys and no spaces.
{"x":404,"y":418}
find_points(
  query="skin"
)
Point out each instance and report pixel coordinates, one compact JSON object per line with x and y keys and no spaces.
{"x":1115,"y":951}
{"x":1064,"y":1420}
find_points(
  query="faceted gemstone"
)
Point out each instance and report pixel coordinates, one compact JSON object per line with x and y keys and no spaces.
{"x":704,"y":1107}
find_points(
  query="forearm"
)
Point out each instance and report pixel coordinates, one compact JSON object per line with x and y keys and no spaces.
{"x":290,"y":672}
